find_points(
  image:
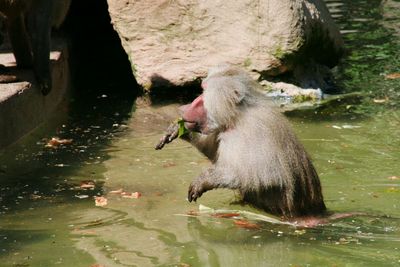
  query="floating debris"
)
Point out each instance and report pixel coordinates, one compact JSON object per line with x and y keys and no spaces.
{"x":88,"y":184}
{"x":61,"y":165}
{"x":392,"y":76}
{"x":380,"y":100}
{"x":346,"y":126}
{"x":56,"y":142}
{"x":300,"y":232}
{"x":169,"y":164}
{"x":124,"y":194}
{"x":100,"y":201}
{"x":35,"y":197}
{"x":81,"y":196}
{"x":246,"y":224}
{"x":225,"y":215}
{"x":119,"y":191}
{"x":393,"y":190}
{"x":135,"y":195}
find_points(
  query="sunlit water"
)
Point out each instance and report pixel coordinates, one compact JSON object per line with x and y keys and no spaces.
{"x":48,"y":219}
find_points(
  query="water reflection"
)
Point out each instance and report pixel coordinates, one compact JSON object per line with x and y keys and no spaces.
{"x":283,"y":246}
{"x":370,"y":30}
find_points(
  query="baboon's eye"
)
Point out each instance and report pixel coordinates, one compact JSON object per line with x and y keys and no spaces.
{"x":239,"y":96}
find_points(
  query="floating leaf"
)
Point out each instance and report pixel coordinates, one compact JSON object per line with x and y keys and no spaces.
{"x":100,"y":201}
{"x":348,"y":126}
{"x":193,"y":213}
{"x":300,"y":232}
{"x":87,"y":184}
{"x":131,"y":195}
{"x":35,"y":197}
{"x":81,"y":196}
{"x":119,"y":191}
{"x":393,"y":190}
{"x":169,"y":164}
{"x":61,"y":165}
{"x":393,"y":76}
{"x":56,"y":142}
{"x":246,"y":224}
{"x":203,"y":208}
{"x":381,"y":101}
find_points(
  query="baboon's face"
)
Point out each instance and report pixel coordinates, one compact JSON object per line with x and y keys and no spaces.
{"x":195,"y":115}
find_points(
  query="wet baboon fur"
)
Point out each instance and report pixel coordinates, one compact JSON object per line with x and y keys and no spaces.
{"x":29,"y":24}
{"x":253,"y":149}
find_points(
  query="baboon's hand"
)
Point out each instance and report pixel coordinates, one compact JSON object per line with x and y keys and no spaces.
{"x":195,"y":191}
{"x":204,"y":182}
{"x":171,"y":134}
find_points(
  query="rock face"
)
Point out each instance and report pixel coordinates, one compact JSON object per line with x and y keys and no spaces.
{"x":176,"y":41}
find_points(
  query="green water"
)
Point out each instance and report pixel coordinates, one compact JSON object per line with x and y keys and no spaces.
{"x":47,"y":219}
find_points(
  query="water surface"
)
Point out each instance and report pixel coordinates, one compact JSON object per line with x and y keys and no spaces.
{"x":48,"y":219}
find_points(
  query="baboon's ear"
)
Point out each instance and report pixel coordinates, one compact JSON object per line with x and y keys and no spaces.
{"x":239,"y":95}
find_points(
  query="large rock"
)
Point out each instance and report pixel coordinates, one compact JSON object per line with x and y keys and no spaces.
{"x":177,"y":41}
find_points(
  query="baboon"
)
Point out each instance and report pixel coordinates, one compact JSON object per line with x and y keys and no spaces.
{"x":251,"y":146}
{"x":29,"y":24}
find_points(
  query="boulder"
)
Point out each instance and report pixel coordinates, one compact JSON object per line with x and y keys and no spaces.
{"x":174,"y":42}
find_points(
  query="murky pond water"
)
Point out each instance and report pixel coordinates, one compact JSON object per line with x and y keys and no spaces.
{"x":48,"y":215}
